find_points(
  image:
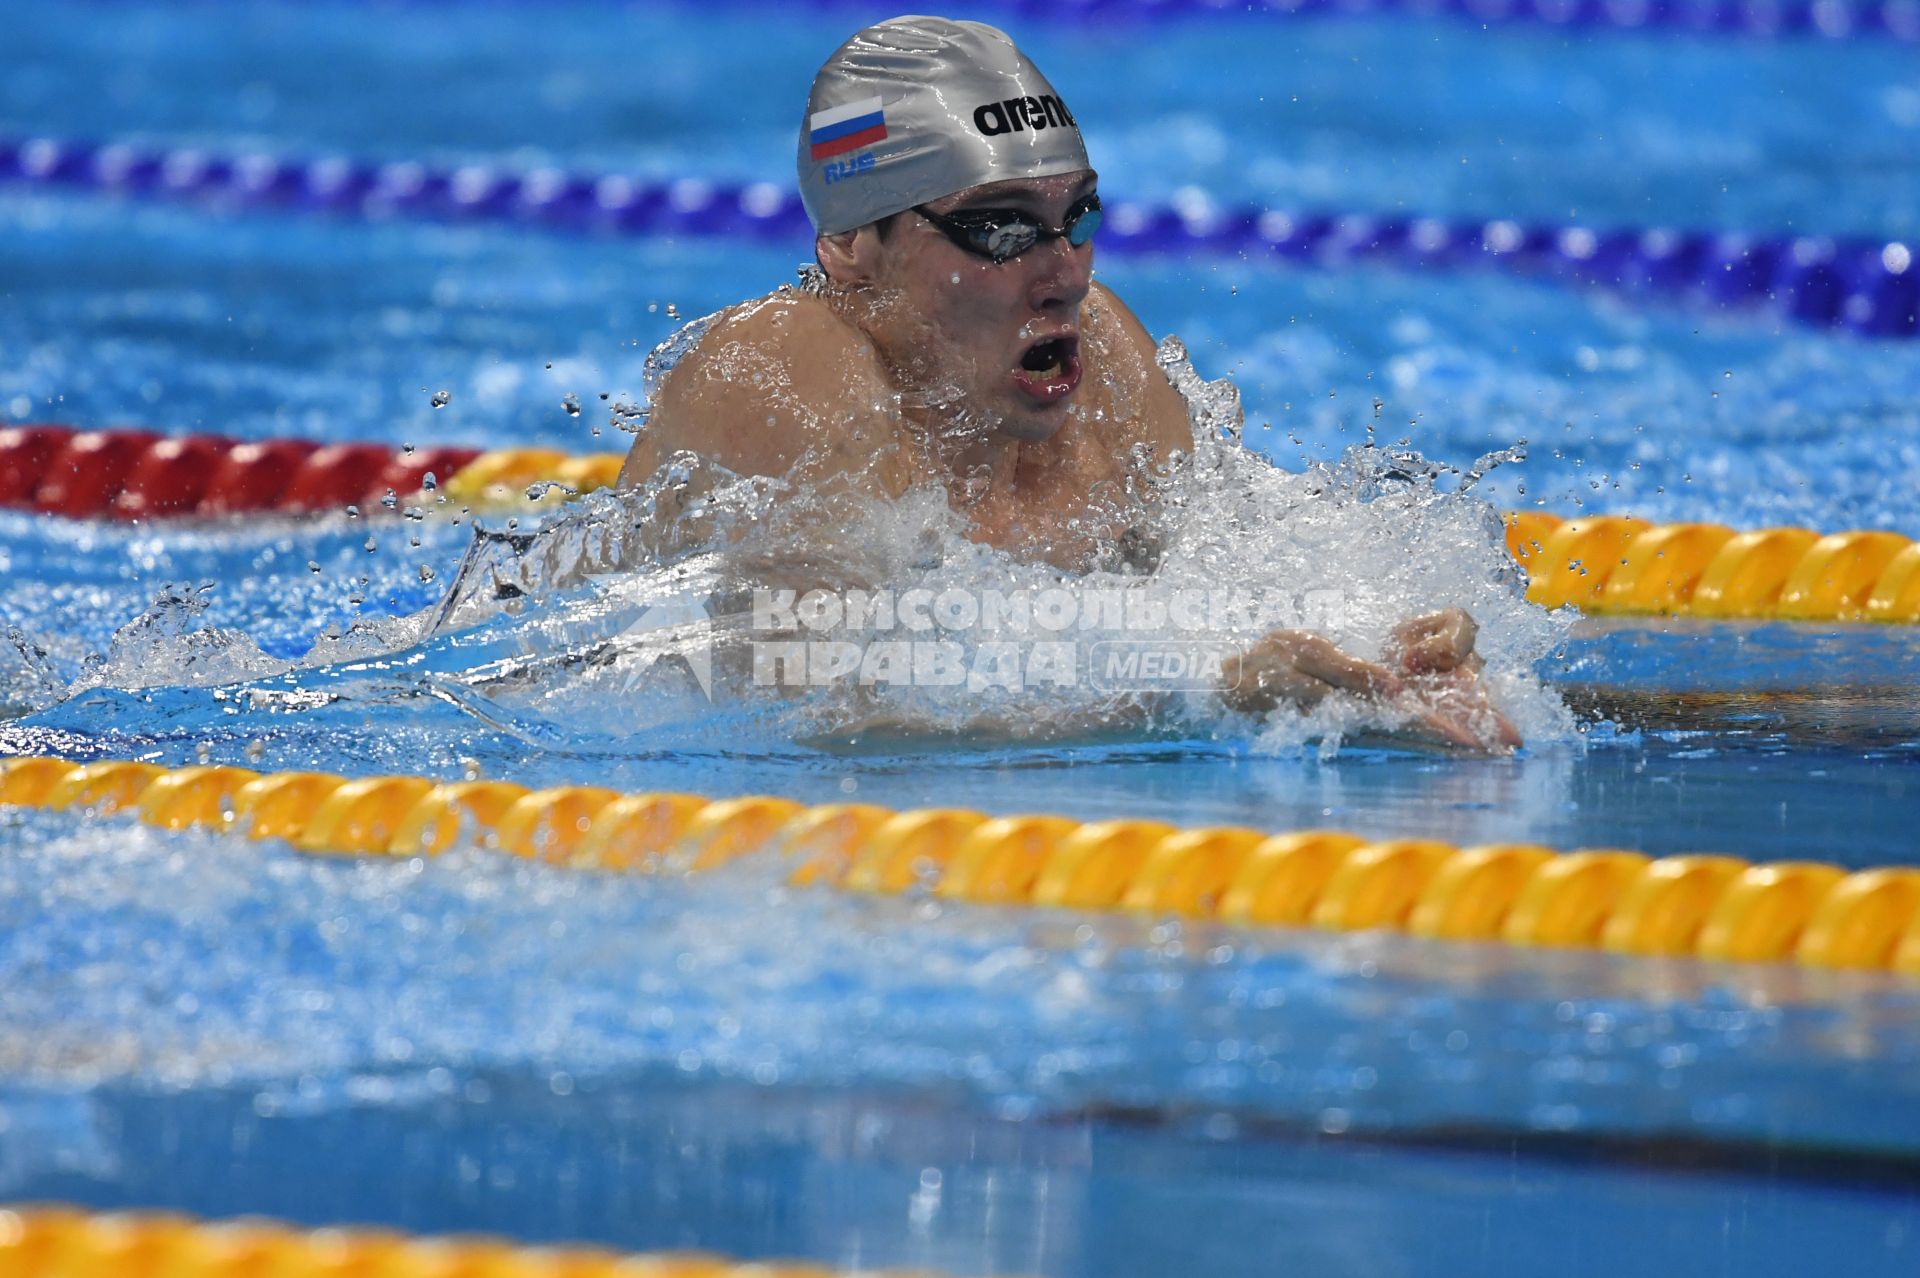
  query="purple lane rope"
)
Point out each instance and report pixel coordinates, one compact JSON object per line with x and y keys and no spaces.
{"x":1763,"y":19}
{"x":1867,"y":286}
{"x":1825,"y":19}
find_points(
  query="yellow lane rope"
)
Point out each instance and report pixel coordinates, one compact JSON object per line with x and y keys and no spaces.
{"x":502,"y":476}
{"x":1707,"y":906}
{"x":1598,"y":564}
{"x":1614,"y":564}
{"x":54,"y":1242}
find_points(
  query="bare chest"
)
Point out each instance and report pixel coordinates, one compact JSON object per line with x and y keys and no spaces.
{"x":1070,"y":504}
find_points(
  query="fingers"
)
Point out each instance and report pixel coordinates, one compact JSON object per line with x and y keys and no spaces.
{"x":1320,"y":659}
{"x":1455,"y":707}
{"x":1450,"y":730}
{"x":1294,"y":665}
{"x":1505,"y":733}
{"x":1433,"y":643}
{"x":1260,"y":679}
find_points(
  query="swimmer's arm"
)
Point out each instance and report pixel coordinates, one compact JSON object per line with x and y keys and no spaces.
{"x":1430,"y":695}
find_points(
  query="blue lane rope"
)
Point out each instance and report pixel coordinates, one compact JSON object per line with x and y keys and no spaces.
{"x":1828,"y":19}
{"x":1815,"y":19}
{"x":1868,"y":286}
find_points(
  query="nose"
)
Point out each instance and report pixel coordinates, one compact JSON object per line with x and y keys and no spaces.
{"x":1062,"y":274}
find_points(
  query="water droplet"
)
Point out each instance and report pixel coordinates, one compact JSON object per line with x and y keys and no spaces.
{"x":313,"y":565}
{"x":370,"y":546}
{"x":673,"y":311}
{"x":426,"y":572}
{"x":571,"y":403}
{"x":442,"y":398}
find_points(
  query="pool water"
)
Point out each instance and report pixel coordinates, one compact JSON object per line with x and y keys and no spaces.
{"x":724,"y":1063}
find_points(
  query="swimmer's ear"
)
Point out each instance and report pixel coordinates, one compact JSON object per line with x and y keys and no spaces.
{"x":849,"y":257}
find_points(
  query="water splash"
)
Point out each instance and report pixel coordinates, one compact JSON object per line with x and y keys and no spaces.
{"x":169,"y":645}
{"x":552,"y":629}
{"x":1348,"y":549}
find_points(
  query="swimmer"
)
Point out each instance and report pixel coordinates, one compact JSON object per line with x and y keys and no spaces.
{"x":953,"y":334}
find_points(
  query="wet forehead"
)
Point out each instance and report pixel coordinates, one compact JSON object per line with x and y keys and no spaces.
{"x":1020,"y":193}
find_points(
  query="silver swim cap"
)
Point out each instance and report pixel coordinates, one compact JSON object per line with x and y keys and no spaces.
{"x":916,"y":108}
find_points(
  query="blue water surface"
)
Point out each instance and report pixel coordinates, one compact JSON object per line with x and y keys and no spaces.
{"x":226,"y":1027}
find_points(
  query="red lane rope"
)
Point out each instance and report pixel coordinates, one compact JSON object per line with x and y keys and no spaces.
{"x":135,"y":474}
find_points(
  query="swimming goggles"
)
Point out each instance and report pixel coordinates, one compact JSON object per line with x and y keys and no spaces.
{"x":1000,"y":235}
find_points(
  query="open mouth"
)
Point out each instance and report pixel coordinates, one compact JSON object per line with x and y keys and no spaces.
{"x":1049,"y":369}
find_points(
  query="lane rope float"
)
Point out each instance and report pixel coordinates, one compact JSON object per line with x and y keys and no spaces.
{"x":39,"y":1241}
{"x":1617,"y":564}
{"x":1705,"y":906}
{"x":1868,"y":286}
{"x":137,"y":474}
{"x":1598,"y":563}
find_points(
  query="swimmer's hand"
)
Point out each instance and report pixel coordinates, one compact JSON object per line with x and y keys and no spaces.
{"x":1431,"y":677}
{"x":1441,"y":673}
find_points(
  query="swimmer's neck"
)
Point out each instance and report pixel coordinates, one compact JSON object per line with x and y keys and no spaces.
{"x":972,"y":459}
{"x":971,"y":453}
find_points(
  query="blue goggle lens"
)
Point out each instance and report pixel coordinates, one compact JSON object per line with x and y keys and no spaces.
{"x":1081,"y":229}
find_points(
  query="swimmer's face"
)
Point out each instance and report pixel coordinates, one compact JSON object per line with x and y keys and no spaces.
{"x":1004,"y":335}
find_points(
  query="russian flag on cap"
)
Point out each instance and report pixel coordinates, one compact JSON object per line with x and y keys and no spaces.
{"x":840,"y":129}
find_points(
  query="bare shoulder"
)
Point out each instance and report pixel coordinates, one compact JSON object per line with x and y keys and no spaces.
{"x":774,"y":386}
{"x":1137,"y":393}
